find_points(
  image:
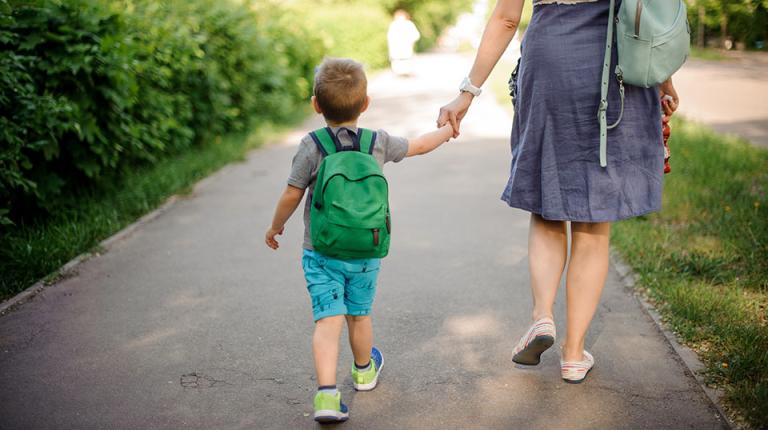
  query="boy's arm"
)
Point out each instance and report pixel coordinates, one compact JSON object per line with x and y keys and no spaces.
{"x":429,"y":141}
{"x":287,"y":204}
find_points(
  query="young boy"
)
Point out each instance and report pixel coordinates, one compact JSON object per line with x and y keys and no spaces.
{"x":341,"y":289}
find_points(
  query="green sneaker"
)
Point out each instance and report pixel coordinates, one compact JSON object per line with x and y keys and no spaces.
{"x":329,"y":409}
{"x":366,"y":381}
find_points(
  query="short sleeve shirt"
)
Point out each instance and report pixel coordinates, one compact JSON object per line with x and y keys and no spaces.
{"x":308,"y":157}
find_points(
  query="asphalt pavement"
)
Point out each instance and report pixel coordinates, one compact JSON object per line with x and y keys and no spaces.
{"x":192,"y":322}
{"x":729,"y":96}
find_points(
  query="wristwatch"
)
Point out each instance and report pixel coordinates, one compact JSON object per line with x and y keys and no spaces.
{"x":466,"y":85}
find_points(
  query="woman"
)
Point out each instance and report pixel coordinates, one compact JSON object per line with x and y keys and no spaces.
{"x":556,"y":173}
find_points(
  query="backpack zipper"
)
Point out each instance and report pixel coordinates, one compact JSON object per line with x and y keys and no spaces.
{"x":325,"y":185}
{"x":638,"y":14}
{"x":375,"y":237}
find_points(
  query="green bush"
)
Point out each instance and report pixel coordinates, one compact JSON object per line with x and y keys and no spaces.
{"x":358,"y":28}
{"x":90,"y":88}
{"x":357,"y":31}
{"x":431,"y":16}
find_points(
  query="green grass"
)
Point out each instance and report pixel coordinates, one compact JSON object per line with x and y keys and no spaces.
{"x":31,"y":252}
{"x":709,"y":54}
{"x":704,"y":260}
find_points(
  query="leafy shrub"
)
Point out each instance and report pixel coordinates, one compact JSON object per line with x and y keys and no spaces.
{"x":89,"y":88}
{"x":358,"y":28}
{"x":431,"y":16}
{"x":357,"y":31}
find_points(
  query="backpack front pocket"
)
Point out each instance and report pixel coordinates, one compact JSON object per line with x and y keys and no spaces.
{"x":334,"y":239}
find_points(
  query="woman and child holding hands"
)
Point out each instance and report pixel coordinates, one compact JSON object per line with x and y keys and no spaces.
{"x":555,"y":175}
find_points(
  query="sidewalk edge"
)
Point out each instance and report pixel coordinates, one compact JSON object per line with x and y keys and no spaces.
{"x":69,"y":268}
{"x":686,"y":356}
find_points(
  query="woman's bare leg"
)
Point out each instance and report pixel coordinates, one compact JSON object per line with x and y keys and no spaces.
{"x":547,"y":253}
{"x":584,"y":281}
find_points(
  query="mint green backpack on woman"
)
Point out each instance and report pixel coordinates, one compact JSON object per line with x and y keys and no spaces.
{"x":653,"y":40}
{"x":349,"y":217}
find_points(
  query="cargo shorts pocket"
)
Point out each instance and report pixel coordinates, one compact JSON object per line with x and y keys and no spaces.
{"x":360,"y":291}
{"x":325,"y":289}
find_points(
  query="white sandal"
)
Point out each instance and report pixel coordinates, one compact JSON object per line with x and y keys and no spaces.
{"x":575,"y":372}
{"x":539,"y":337}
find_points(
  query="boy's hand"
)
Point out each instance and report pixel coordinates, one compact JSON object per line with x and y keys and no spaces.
{"x":270,"y":239}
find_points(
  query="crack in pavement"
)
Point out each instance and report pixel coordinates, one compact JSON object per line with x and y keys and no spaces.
{"x":216,"y":377}
{"x":200,"y":381}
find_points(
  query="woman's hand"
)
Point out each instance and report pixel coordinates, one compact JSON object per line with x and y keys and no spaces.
{"x":668,"y":89}
{"x":454,"y":112}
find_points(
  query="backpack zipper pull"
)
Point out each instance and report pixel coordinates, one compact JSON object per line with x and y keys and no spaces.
{"x":375,"y":237}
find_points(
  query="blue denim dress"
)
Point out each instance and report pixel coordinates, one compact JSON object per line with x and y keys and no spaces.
{"x":555,"y":138}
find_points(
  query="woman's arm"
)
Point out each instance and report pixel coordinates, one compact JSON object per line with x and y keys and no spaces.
{"x":499,"y":31}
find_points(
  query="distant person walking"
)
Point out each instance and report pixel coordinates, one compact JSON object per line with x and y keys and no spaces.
{"x":401,"y":37}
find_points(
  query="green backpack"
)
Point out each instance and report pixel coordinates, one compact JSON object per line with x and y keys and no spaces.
{"x":350,"y":206}
{"x":653,"y":40}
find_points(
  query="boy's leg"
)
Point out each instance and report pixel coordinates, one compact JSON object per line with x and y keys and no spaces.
{"x":326,"y":288}
{"x":360,"y":329}
{"x":325,"y":348}
{"x":359,"y":293}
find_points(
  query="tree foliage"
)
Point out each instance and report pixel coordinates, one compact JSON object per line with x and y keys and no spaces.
{"x":358,"y":28}
{"x":430,"y":16}
{"x":740,"y":20}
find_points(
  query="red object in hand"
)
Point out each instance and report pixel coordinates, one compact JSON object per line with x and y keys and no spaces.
{"x":666,"y":131}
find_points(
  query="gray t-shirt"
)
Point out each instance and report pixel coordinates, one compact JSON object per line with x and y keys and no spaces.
{"x":308,"y":157}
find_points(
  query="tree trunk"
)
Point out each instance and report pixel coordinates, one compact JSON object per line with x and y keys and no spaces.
{"x":700,"y":30}
{"x":724,"y":28}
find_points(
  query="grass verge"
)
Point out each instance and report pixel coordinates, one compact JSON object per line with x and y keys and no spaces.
{"x":709,"y":54}
{"x":703,"y":260}
{"x":31,"y":252}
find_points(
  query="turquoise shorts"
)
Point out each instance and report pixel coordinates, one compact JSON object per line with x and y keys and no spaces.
{"x":340,"y":287}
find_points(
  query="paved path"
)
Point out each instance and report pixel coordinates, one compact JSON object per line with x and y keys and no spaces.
{"x":191,"y":322}
{"x":731,"y":96}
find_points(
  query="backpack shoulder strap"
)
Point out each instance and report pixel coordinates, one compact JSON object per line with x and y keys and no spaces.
{"x":602,"y":111}
{"x":325,"y":141}
{"x":366,"y":140}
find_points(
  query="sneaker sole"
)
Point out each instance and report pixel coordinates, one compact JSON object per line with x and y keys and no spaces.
{"x":371,"y":385}
{"x":531,"y":355}
{"x":578,"y":381}
{"x":330,"y":416}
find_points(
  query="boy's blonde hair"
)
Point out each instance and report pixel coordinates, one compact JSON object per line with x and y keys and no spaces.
{"x":341,"y":89}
